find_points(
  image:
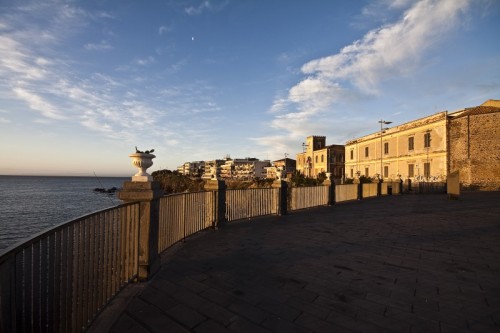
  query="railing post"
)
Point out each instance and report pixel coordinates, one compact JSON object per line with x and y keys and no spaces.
{"x":219,"y":188}
{"x":379,"y":181}
{"x":360,"y":187}
{"x":282,"y":196}
{"x":331,"y":191}
{"x":148,"y":194}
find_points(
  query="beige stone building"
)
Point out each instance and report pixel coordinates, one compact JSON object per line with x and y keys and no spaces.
{"x":318,"y":157}
{"x":428,"y":149}
{"x":414,"y":150}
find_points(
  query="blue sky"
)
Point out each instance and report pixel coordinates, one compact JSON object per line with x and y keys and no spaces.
{"x":83,"y":82}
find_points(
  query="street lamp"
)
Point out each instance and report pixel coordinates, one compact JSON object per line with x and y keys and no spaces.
{"x":382,"y":129}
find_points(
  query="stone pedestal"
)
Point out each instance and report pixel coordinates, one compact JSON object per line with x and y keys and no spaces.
{"x":219,"y":189}
{"x":148,"y":194}
{"x":331,"y":191}
{"x":282,"y":196}
{"x":453,"y":185}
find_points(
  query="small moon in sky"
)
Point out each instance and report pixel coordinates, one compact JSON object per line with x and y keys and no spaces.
{"x":192,"y":38}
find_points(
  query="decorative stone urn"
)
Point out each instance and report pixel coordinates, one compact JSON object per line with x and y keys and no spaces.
{"x":328,"y":176}
{"x":278,"y":174}
{"x":142,"y":161}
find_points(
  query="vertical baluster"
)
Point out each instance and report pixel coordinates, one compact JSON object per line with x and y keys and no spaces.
{"x":64,"y":297}
{"x":20,"y":283}
{"x":80,"y":276}
{"x":91,"y":310}
{"x":36,"y":286}
{"x":44,"y":276}
{"x":117,"y":249}
{"x":56,"y":300}
{"x":8,"y":293}
{"x":127,"y":219}
{"x":161,"y":227}
{"x":52,"y":280}
{"x":28,"y":284}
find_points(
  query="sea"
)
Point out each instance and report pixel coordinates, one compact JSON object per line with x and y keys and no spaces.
{"x":32,"y":204}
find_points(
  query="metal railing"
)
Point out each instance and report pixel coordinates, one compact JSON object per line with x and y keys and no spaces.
{"x":310,"y":196}
{"x":346,"y":192}
{"x":60,"y":279}
{"x":181,"y":215}
{"x":369,"y":190}
{"x":241,"y":204}
{"x":429,"y":187}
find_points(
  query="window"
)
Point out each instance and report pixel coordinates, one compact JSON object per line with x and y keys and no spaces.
{"x":316,"y":159}
{"x":411,"y":143}
{"x":352,"y":154}
{"x":411,"y":170}
{"x":367,"y":173}
{"x":352,"y":173}
{"x":341,"y":158}
{"x":427,"y":140}
{"x":386,"y":171}
{"x":386,"y":148}
{"x":427,"y":170}
{"x":367,"y":152}
{"x":322,"y":158}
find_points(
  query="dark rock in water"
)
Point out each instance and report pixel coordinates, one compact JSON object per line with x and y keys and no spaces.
{"x":104,"y":190}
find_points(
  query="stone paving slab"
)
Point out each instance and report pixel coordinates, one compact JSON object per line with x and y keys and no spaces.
{"x":410,"y":263}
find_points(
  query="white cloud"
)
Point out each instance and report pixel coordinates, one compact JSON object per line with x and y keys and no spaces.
{"x":38,"y":103}
{"x":192,"y":10}
{"x":101,"y":46}
{"x":205,"y":5}
{"x":390,"y":51}
{"x":145,"y":61}
{"x":164,"y":29}
{"x":4,"y":120}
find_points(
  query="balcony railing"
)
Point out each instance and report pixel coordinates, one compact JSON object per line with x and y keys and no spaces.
{"x":310,"y":196}
{"x":182,"y":215}
{"x":242,"y":204}
{"x":60,"y":279}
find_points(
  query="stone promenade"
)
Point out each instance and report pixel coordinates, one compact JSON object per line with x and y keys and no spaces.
{"x":410,"y":263}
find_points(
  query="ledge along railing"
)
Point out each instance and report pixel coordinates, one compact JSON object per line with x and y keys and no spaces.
{"x":60,"y":279}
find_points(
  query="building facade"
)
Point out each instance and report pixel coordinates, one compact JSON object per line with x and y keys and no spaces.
{"x":192,"y":169}
{"x":244,"y":168}
{"x":288,"y":165}
{"x":429,"y":148}
{"x":474,"y":145}
{"x":415,"y":150}
{"x":317,"y":157}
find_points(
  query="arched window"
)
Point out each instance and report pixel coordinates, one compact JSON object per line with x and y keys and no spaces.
{"x":316,"y":159}
{"x":322,"y":158}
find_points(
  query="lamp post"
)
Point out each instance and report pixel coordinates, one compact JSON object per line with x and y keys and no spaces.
{"x":382,"y":129}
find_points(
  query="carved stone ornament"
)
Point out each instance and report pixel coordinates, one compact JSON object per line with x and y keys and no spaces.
{"x":142,"y":161}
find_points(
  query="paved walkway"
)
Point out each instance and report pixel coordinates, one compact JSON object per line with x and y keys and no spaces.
{"x":411,"y":263}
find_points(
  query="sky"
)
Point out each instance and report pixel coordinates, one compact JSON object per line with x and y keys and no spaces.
{"x":84,"y":82}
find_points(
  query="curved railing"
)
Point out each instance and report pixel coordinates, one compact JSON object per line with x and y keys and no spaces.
{"x":183,"y":214}
{"x":242,"y":204}
{"x":60,"y":279}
